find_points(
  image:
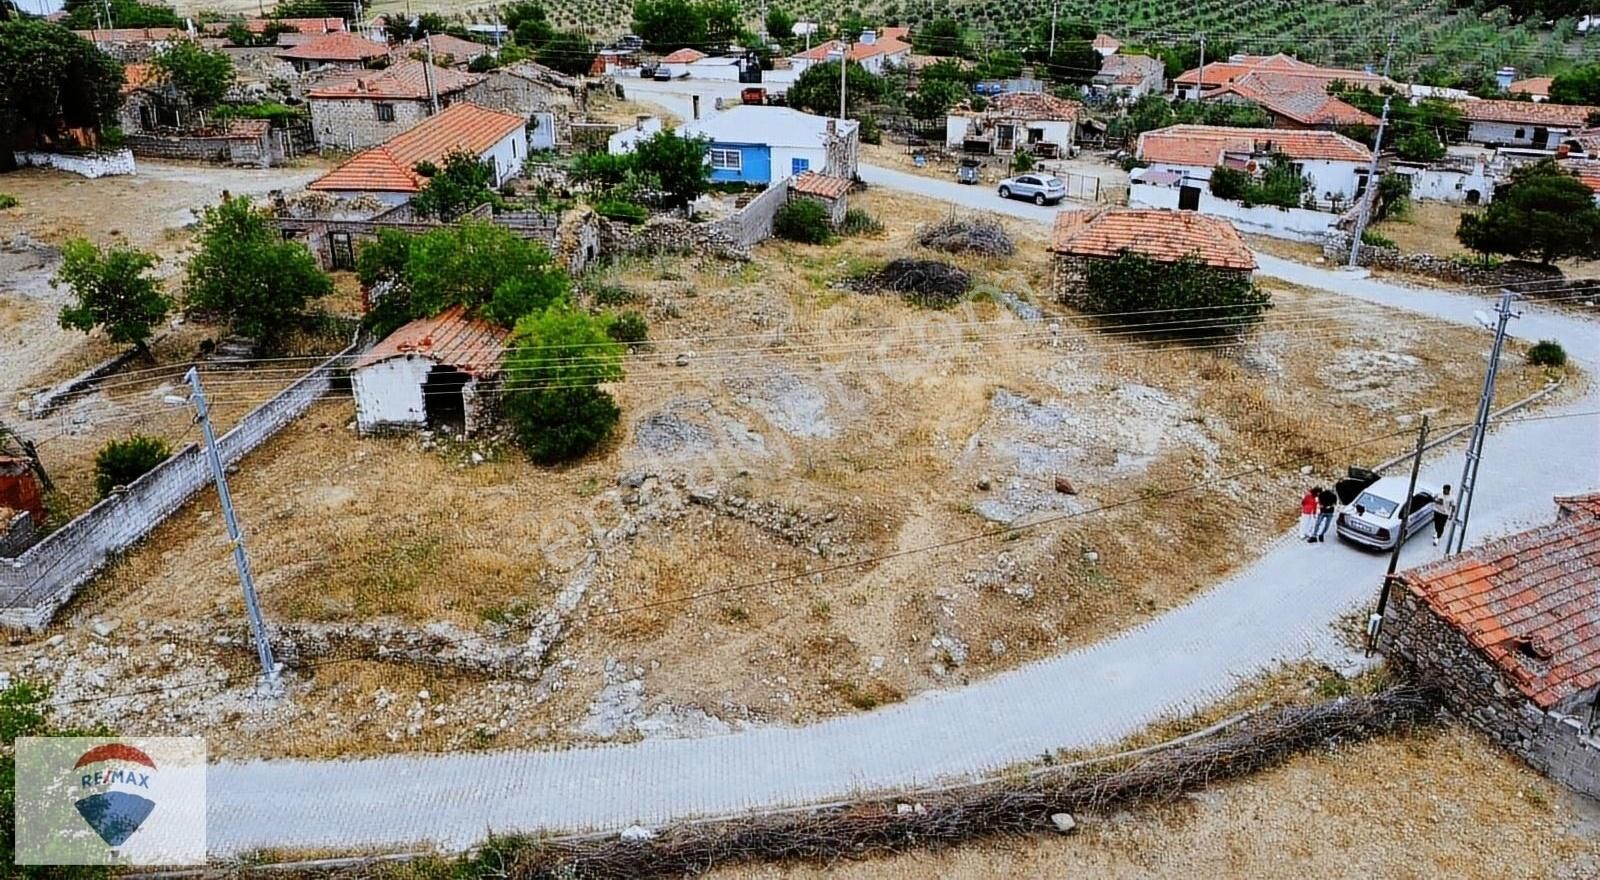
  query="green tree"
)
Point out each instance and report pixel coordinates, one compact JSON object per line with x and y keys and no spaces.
{"x":802,"y":220}
{"x":1074,"y":59}
{"x":25,"y":711}
{"x":724,"y":19}
{"x":400,"y":29}
{"x":1279,"y":184}
{"x":345,"y":9}
{"x":514,"y":14}
{"x":1419,"y":145}
{"x":52,"y":79}
{"x":1146,"y":114}
{"x":558,"y":359}
{"x":120,"y":462}
{"x":533,"y":32}
{"x":1543,"y":211}
{"x":1580,"y":85}
{"x":247,"y":275}
{"x":202,"y":75}
{"x":780,"y":24}
{"x":85,"y":14}
{"x":816,"y":90}
{"x":1134,"y":290}
{"x":668,"y":25}
{"x":933,"y":97}
{"x":677,"y":166}
{"x":110,"y":289}
{"x":1000,"y":64}
{"x":568,"y":51}
{"x":461,"y":185}
{"x":941,"y":37}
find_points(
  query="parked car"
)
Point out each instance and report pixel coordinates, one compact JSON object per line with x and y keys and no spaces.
{"x":1041,"y":190}
{"x":1374,"y":518}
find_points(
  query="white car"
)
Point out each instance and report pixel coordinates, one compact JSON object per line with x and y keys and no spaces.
{"x":1041,"y":189}
{"x":1373,"y":518}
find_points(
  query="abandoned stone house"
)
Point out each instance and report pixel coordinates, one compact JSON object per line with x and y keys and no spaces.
{"x":1083,"y":237}
{"x":829,"y":191}
{"x":439,"y":372}
{"x":356,"y":111}
{"x":1509,"y":633}
{"x":447,"y":51}
{"x":548,"y":99}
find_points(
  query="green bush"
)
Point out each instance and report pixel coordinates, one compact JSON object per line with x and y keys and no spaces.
{"x":802,"y":220}
{"x":1022,"y":163}
{"x":1547,"y":353}
{"x":1372,"y":238}
{"x":557,"y":362}
{"x":120,"y":462}
{"x":858,"y":222}
{"x":610,"y":294}
{"x":8,"y":200}
{"x":1137,"y":291}
{"x":625,"y":212}
{"x":629,"y":328}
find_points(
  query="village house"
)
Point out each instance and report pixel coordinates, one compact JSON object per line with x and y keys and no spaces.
{"x":762,"y":145}
{"x":1106,"y":45}
{"x":1219,"y":73}
{"x":134,"y":44}
{"x":626,"y":139}
{"x":676,"y":64}
{"x":1129,"y":77}
{"x":388,"y":172}
{"x":301,"y":30}
{"x":875,"y":51}
{"x":148,"y":103}
{"x":1336,"y":165}
{"x":1459,"y":178}
{"x":368,"y":108}
{"x":1507,"y":633}
{"x":447,"y":51}
{"x":548,"y":99}
{"x":1043,"y":125}
{"x":1083,"y":237}
{"x":1537,"y":88}
{"x":1504,"y":123}
{"x":339,"y":51}
{"x":433,"y":372}
{"x":1291,"y":101}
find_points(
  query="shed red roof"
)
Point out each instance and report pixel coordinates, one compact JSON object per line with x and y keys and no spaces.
{"x":1534,"y":86}
{"x":473,"y":346}
{"x":390,"y":167}
{"x":1579,"y":505}
{"x":1219,"y":73}
{"x":1527,"y":113}
{"x":343,"y":46}
{"x":684,"y":56}
{"x":1529,"y":603}
{"x":1164,"y":236}
{"x":1206,"y":145}
{"x":824,"y":185}
{"x":1307,"y":103}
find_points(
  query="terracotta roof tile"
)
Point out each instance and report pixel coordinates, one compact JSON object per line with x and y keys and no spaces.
{"x":458,"y":49}
{"x":1571,"y":505}
{"x":885,"y":45}
{"x":1530,"y":603}
{"x":403,"y":80}
{"x":1207,"y":144}
{"x":684,"y":56}
{"x":1527,"y":113}
{"x":1029,"y":105}
{"x":1221,"y":72}
{"x":813,"y":184}
{"x":471,"y":345}
{"x":1164,"y":236}
{"x":343,"y":46}
{"x":1536,"y":86}
{"x":390,"y":167}
{"x":1307,"y":103}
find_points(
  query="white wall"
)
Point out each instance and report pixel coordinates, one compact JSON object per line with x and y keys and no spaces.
{"x":955,"y":130}
{"x":1447,"y":184}
{"x":1058,"y":132}
{"x":390,"y":392}
{"x":623,"y":141}
{"x":1506,"y":133}
{"x":87,"y":164}
{"x":1295,"y":224}
{"x":708,"y":69}
{"x":1331,"y":178}
{"x":508,"y":155}
{"x":783,"y":160}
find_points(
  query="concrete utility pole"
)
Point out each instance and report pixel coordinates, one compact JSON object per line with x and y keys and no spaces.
{"x":1457,"y":536}
{"x":258,"y":628}
{"x":1372,"y":188}
{"x":427,"y":75}
{"x":1375,"y":622}
{"x":844,"y":67}
{"x":1200,"y":72}
{"x":1054,"y":8}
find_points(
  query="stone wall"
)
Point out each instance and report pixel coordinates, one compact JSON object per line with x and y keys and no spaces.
{"x":752,"y":224}
{"x":352,"y":123}
{"x":236,"y":150}
{"x":42,"y":579}
{"x":85,"y":164}
{"x":1337,"y":248}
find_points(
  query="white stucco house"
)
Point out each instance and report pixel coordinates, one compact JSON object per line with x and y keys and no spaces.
{"x":624,"y":140}
{"x":388,"y":171}
{"x":874,"y":50}
{"x":1041,"y":124}
{"x":433,"y":371}
{"x":763,"y":145}
{"x":1336,"y":165}
{"x":1540,"y":126}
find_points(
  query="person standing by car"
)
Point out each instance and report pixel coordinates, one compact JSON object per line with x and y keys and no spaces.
{"x":1308,"y":512}
{"x":1326,"y":502}
{"x":1444,"y":507}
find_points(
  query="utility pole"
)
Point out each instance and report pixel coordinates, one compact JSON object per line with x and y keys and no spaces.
{"x":1054,"y":8}
{"x":844,"y":67}
{"x":427,"y":74}
{"x":1372,"y":188}
{"x":1457,"y":536}
{"x":1200,"y":72}
{"x":258,"y":628}
{"x":1375,"y":622}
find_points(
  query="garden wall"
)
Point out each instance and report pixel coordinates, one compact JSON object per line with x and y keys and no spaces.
{"x":85,"y":164}
{"x":1295,"y":224}
{"x":38,"y":582}
{"x":753,"y":223}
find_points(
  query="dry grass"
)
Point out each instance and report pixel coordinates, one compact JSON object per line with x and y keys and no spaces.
{"x":1427,"y":228}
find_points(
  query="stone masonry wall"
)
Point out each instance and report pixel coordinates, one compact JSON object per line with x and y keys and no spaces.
{"x":353,"y":124}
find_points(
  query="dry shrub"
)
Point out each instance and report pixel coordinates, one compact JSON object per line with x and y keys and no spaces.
{"x":967,"y":235}
{"x":925,"y":282}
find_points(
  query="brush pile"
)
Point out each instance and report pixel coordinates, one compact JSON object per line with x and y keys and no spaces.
{"x":967,"y":235}
{"x":927,"y":283}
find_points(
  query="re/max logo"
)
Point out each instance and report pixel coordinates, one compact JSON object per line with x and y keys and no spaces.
{"x":112,"y":777}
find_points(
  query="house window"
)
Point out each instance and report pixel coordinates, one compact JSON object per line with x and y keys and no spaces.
{"x":342,"y":250}
{"x":799,"y":166}
{"x":385,"y":112}
{"x":727,"y":160}
{"x":1521,"y":133}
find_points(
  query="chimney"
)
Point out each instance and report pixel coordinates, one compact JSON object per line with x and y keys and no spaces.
{"x":639,"y":121}
{"x":869,"y":36}
{"x":1504,"y":77}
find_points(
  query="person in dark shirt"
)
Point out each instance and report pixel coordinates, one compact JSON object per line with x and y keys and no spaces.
{"x":1326,"y":502}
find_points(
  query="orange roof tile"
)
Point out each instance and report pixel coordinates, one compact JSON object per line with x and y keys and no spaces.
{"x":1302,"y":101}
{"x":391,"y":166}
{"x":684,"y":56}
{"x":1527,"y":113}
{"x":1220,"y":73}
{"x":444,"y":44}
{"x":1536,"y":86}
{"x":885,"y":45}
{"x":813,"y":184}
{"x":1529,"y":603}
{"x":343,"y":46}
{"x":399,"y":81}
{"x":1032,"y":106}
{"x":1579,"y":505}
{"x":1162,"y":235}
{"x":471,"y":345}
{"x":1206,"y":145}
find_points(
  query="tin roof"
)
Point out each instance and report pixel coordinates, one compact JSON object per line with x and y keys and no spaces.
{"x":1207,"y":144}
{"x":471,"y":345}
{"x":1529,"y":603}
{"x":391,"y":166}
{"x":824,"y":185}
{"x":1162,"y":235}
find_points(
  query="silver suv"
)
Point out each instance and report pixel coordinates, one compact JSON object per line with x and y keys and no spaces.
{"x":1038,"y":188}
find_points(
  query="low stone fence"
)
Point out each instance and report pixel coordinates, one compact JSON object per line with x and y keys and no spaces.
{"x":44,"y":577}
{"x":752,"y":224}
{"x":86,"y":164}
{"x":254,"y":144}
{"x":1337,"y":248}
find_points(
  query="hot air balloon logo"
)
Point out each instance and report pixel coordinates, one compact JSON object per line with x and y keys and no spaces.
{"x":117,"y":772}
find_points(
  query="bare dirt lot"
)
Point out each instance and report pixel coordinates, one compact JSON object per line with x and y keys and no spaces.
{"x":1441,"y":804}
{"x":754,"y":545}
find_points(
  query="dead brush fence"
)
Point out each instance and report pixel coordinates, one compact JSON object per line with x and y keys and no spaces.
{"x":1015,"y":804}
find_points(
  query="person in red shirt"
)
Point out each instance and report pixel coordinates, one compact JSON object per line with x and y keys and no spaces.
{"x":1308,"y":512}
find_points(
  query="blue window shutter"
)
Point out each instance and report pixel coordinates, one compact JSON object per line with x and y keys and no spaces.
{"x":798,"y":165}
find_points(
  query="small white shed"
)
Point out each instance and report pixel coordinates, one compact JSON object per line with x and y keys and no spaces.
{"x":432,"y":371}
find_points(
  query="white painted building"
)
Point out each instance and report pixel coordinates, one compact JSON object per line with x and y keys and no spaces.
{"x":1336,"y":165}
{"x":433,"y":371}
{"x":1459,"y":181}
{"x":1523,"y":123}
{"x":624,"y":140}
{"x":388,"y":171}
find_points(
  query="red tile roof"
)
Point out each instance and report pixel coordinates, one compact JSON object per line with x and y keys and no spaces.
{"x":403,"y":80}
{"x":131,"y":35}
{"x":1296,"y":99}
{"x":886,"y":44}
{"x":813,"y":184}
{"x":1221,"y":72}
{"x":391,"y":166}
{"x":683,"y":56}
{"x":1105,"y":41}
{"x":1527,"y":113}
{"x":473,"y":346}
{"x":1579,"y":505}
{"x":1529,"y":603}
{"x":1035,"y":107}
{"x":1206,"y":145}
{"x":1535,"y":86}
{"x":1588,"y":174}
{"x":1162,"y":235}
{"x":458,"y":49}
{"x":342,"y":46}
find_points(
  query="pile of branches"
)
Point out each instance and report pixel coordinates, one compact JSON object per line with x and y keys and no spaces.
{"x":925,"y":282}
{"x":954,"y":814}
{"x":967,"y":235}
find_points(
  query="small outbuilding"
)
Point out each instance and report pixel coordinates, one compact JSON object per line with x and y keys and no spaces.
{"x":1083,"y":237}
{"x":434,"y":371}
{"x":826,"y":190}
